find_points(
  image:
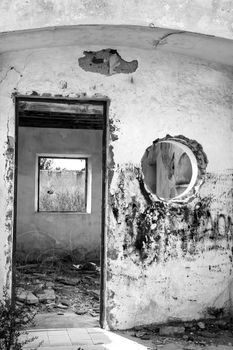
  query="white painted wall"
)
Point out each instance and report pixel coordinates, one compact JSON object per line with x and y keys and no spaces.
{"x":208,"y":17}
{"x":167,"y":94}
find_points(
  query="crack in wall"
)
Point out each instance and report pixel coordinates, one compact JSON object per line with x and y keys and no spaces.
{"x":7,"y":72}
{"x":162,"y":41}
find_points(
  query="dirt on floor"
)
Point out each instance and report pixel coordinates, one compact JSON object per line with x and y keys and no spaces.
{"x":59,"y":287}
{"x":216,"y":331}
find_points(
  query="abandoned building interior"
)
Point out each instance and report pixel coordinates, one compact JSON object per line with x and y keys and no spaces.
{"x":116,"y":176}
{"x":58,"y":229}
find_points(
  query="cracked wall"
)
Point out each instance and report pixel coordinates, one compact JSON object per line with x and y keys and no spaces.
{"x":163,"y":261}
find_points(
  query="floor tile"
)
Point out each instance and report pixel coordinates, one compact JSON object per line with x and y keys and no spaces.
{"x":78,"y":334}
{"x":59,"y":339}
{"x":100,"y":338}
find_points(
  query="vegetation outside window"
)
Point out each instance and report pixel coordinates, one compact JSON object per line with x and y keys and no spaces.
{"x":62,"y":184}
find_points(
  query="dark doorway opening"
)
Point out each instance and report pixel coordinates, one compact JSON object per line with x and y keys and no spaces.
{"x":60,"y":209}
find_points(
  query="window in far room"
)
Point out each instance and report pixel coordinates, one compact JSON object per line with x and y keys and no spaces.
{"x":62,"y":184}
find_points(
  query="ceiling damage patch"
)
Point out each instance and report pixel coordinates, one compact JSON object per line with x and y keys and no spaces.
{"x":107,"y":62}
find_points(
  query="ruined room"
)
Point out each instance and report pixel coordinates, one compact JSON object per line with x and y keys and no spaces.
{"x":117,"y":167}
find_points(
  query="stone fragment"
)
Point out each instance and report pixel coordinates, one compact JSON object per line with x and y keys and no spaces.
{"x":145,"y":337}
{"x":46,"y":296}
{"x":201,"y":325}
{"x":171,"y":330}
{"x":140,"y":334}
{"x":61,"y":306}
{"x":49,"y":284}
{"x":65,"y":302}
{"x":81,"y":311}
{"x":89,"y":266}
{"x":27,"y":297}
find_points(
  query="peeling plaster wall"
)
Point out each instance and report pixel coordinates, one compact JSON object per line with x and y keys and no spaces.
{"x":212,"y":17}
{"x":185,"y":262}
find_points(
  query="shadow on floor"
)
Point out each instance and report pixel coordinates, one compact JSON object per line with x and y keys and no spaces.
{"x":67,"y":320}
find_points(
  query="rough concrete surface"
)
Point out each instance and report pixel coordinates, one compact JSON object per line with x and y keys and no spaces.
{"x":163,"y":261}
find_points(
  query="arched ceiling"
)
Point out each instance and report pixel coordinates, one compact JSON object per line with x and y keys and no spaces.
{"x":211,"y":17}
{"x":206,"y":47}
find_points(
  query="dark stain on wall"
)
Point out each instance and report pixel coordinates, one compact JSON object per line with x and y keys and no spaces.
{"x":157,"y":231}
{"x":113,"y":129}
{"x":107,"y":62}
{"x":9,"y":177}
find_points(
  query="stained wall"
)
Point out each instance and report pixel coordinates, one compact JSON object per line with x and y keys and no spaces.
{"x":162,"y":261}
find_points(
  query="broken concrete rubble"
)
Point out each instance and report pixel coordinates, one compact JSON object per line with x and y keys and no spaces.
{"x":57,"y":290}
{"x":27,"y":297}
{"x":186,"y":335}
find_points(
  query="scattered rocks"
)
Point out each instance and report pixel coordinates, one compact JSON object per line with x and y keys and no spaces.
{"x":61,"y":287}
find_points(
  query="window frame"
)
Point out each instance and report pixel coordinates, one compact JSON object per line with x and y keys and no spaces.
{"x":88,"y":182}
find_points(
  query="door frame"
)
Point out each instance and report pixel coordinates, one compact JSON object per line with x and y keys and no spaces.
{"x":105,"y":143}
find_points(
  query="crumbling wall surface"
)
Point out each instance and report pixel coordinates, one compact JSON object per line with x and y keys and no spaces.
{"x":169,"y":258}
{"x":163,"y":261}
{"x":208,"y":17}
{"x":6,"y":190}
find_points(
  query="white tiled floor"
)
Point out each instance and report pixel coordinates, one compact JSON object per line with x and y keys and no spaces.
{"x":85,"y":338}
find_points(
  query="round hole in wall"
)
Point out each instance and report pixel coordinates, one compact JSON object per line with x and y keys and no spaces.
{"x":170,"y":167}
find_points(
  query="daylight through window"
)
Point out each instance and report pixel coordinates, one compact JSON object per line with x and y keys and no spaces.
{"x":62,"y":184}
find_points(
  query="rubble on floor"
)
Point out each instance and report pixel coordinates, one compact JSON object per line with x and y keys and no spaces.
{"x":59,"y":287}
{"x":188,"y":335}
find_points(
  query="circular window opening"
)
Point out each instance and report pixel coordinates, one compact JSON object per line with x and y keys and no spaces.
{"x":170,"y":168}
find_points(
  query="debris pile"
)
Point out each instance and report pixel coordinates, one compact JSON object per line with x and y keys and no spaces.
{"x":210,"y":331}
{"x":59,"y":287}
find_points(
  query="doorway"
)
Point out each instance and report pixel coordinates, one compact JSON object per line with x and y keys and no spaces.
{"x":60,"y":210}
